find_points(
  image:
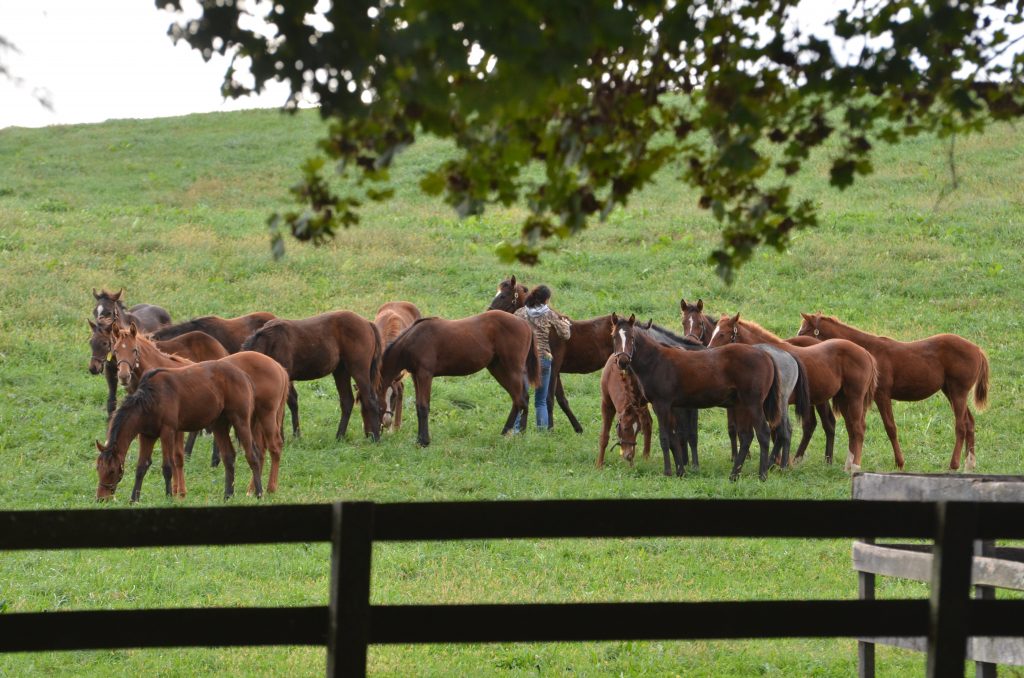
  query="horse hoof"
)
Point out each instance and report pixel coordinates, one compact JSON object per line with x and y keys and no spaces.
{"x":763,"y":477}
{"x":733,"y":477}
{"x":695,"y":468}
{"x":972,"y":463}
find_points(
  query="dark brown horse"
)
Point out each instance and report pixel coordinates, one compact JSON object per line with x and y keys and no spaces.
{"x":169,"y":401}
{"x":146,"y":317}
{"x":700,"y":326}
{"x":586,"y":350}
{"x":838,"y":370}
{"x":915,"y":370}
{"x":435,"y":347}
{"x":230,"y":332}
{"x":339,"y":343}
{"x":392,"y":319}
{"x":621,"y":397}
{"x":740,"y":377}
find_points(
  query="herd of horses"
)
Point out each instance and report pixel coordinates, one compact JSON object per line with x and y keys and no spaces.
{"x":220,"y":374}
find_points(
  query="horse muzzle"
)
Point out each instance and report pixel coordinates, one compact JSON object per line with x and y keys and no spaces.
{"x":95,"y":366}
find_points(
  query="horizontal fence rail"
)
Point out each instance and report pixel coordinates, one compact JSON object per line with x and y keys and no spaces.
{"x":349,"y":623}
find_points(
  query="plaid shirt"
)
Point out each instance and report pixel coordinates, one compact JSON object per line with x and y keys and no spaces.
{"x":542,"y":326}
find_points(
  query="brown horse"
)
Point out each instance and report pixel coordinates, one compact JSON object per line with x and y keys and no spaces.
{"x":740,"y":377}
{"x":392,"y":319}
{"x":586,"y":350}
{"x":339,"y":343}
{"x":208,"y":394}
{"x":230,"y":332}
{"x":621,"y":396}
{"x":147,"y":317}
{"x":700,"y":326}
{"x":915,"y":370}
{"x":435,"y":347}
{"x":839,"y":371}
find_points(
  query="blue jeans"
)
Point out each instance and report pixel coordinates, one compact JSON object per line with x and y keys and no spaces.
{"x":540,"y":398}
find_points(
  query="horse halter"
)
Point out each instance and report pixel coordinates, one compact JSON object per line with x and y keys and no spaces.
{"x":132,"y":367}
{"x":700,"y":338}
{"x":816,"y":330}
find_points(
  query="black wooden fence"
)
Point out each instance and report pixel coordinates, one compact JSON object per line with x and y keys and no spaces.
{"x":350,"y":623}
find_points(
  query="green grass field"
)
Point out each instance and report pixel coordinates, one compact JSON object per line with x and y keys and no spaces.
{"x":174,"y":211}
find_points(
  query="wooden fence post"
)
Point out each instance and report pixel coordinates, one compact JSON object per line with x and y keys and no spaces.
{"x":955,"y":527}
{"x":981,"y":592}
{"x":866,"y":650}
{"x":349,"y":608}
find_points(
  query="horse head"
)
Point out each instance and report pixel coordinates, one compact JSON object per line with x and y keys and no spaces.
{"x":110,"y":469}
{"x":99,"y":343}
{"x":107,"y":303}
{"x":727,"y":331}
{"x":694,"y":321}
{"x":810,"y":325}
{"x":623,"y":340}
{"x":511,"y":296}
{"x":124,"y":346}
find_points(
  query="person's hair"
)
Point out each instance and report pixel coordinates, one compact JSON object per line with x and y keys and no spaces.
{"x":539,"y":295}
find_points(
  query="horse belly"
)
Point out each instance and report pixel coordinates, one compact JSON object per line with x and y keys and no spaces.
{"x":915,"y":379}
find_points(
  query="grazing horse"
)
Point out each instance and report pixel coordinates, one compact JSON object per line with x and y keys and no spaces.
{"x":133,"y":355}
{"x":339,"y":343}
{"x":685,"y":418}
{"x":740,"y":377}
{"x":435,"y":347}
{"x":700,"y":327}
{"x":392,"y":319}
{"x":230,"y":332}
{"x":838,"y":370}
{"x":170,"y":400}
{"x":146,"y":317}
{"x":915,"y":370}
{"x":621,"y":397}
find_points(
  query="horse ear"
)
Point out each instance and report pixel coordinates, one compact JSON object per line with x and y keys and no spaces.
{"x":632,"y":319}
{"x":513,"y":281}
{"x":649,"y":323}
{"x":99,"y":446}
{"x":736,"y":318}
{"x":700,"y":304}
{"x":95,"y":294}
{"x":117,"y":297}
{"x":615,"y":318}
{"x":92,"y":325}
{"x":134,"y":329}
{"x":682,"y":304}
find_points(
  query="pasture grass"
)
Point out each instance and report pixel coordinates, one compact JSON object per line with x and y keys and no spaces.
{"x":174,"y":211}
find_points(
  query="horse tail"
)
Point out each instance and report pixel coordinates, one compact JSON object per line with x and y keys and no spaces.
{"x":981,"y":386}
{"x":774,"y":402}
{"x":869,"y":392}
{"x":804,"y":409}
{"x":532,"y":364}
{"x":375,"y":361}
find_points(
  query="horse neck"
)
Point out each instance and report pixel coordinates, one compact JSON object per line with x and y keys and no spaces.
{"x":633,"y":399}
{"x":150,"y":356}
{"x":128,"y":427}
{"x":756,"y":335}
{"x":391,"y":364}
{"x":843,"y":331}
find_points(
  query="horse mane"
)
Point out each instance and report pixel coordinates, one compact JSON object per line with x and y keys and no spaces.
{"x":143,"y":399}
{"x":146,"y":341}
{"x":750,"y":324}
{"x":668,"y":338}
{"x":250,"y":341}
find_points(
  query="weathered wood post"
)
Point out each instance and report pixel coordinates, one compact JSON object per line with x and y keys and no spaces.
{"x":349,"y":608}
{"x":955,"y":527}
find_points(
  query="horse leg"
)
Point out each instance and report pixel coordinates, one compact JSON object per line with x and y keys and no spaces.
{"x":110,"y":372}
{"x":745,"y":433}
{"x":807,"y":430}
{"x":243,"y":432}
{"x":853,"y":416}
{"x":691,"y":438}
{"x":190,"y":442}
{"x":274,"y":445}
{"x":178,"y":464}
{"x":972,"y":461}
{"x":889,"y":421}
{"x":664,"y":416}
{"x":563,"y":403}
{"x":730,"y":418}
{"x":293,"y":407}
{"x":607,"y":415}
{"x":214,"y":454}
{"x":763,"y":433}
{"x":422,"y":382}
{"x":227,"y":455}
{"x":369,"y":406}
{"x":345,"y":398}
{"x":145,"y":460}
{"x":959,"y":404}
{"x":785,"y":432}
{"x":259,"y":444}
{"x":398,"y":393}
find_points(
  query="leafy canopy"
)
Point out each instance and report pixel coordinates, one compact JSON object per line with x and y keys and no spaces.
{"x":601,"y":95}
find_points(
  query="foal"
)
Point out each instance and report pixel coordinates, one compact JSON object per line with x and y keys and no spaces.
{"x":392,"y":319}
{"x":621,"y":396}
{"x":915,"y":370}
{"x":145,"y":316}
{"x":168,"y":401}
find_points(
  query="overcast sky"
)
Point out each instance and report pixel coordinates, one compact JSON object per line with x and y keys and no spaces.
{"x":101,"y":60}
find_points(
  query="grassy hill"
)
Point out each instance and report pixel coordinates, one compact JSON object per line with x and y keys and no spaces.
{"x":174,"y":210}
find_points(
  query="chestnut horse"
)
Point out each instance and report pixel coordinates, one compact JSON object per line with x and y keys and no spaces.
{"x":146,"y":317}
{"x":435,"y":347}
{"x":915,"y":370}
{"x":208,"y":394}
{"x":740,"y":377}
{"x":837,"y":370}
{"x":339,"y":343}
{"x":392,"y":319}
{"x":700,"y":327}
{"x":621,"y":397}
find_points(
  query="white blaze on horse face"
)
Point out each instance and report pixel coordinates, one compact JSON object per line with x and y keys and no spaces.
{"x":713,"y":335}
{"x":99,"y":310}
{"x":636,"y":426}
{"x":622,"y":338}
{"x":690,"y":330}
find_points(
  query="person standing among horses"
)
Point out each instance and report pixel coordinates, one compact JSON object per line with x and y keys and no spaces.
{"x":542,"y":320}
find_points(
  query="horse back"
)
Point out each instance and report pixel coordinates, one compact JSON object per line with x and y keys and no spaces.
{"x":588,"y":346}
{"x":196,"y":346}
